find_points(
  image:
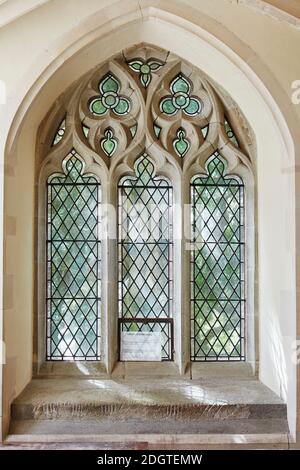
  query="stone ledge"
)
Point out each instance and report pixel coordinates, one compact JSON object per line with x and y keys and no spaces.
{"x":123,"y":411}
{"x":151,"y":391}
{"x":161,"y":440}
{"x":146,"y":426}
{"x":155,"y":400}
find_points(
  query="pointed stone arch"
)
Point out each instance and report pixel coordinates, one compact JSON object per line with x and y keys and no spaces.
{"x":279,"y":145}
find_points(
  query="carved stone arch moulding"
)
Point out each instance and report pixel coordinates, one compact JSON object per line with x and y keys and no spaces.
{"x":145,"y":98}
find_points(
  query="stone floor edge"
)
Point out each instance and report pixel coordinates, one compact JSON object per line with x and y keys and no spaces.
{"x":221,"y":439}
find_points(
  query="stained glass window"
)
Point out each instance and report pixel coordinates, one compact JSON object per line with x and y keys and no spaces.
{"x":60,"y":132}
{"x":181,"y":98}
{"x":133,"y":130}
{"x":204,"y":131}
{"x":157,"y":130}
{"x":85,"y":130}
{"x":145,"y":69}
{"x":145,"y":258}
{"x":109,"y":144}
{"x":146,"y":106}
{"x":217,"y":281}
{"x":110,"y":98}
{"x":73,"y":263}
{"x":181,"y":144}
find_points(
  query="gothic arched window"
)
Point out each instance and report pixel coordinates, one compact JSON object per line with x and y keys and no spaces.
{"x":170,"y":151}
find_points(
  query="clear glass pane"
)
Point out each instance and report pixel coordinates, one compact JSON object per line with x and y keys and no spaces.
{"x":217,"y":265}
{"x":145,"y":254}
{"x":73,"y":258}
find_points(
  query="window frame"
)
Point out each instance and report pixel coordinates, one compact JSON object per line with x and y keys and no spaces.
{"x":50,"y":189}
{"x":242,"y":300}
{"x":52,"y":165}
{"x":179,"y":170}
{"x":152,"y":184}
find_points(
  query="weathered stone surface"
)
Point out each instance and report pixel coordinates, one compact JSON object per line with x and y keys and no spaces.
{"x":145,"y":426}
{"x":214,"y":399}
{"x":151,"y":413}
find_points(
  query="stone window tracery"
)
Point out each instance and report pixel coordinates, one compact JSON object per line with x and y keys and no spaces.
{"x":146,"y":101}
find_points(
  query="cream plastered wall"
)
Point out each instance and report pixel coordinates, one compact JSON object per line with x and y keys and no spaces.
{"x":252,"y":55}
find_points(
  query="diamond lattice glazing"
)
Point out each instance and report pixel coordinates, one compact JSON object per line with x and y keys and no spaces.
{"x":73,"y":264}
{"x":145,"y":254}
{"x":217,"y":282}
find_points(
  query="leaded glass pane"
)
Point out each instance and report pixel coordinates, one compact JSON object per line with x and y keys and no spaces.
{"x":73,"y":264}
{"x":109,"y":144}
{"x":145,"y":255}
{"x":217,"y":283}
{"x":110,"y":98}
{"x":181,"y":144}
{"x":60,"y":132}
{"x":180,"y":99}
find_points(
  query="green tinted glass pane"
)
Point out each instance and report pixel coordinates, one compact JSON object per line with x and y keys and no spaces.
{"x":181,"y":144}
{"x":110,"y":83}
{"x":145,"y":69}
{"x":97,"y":107}
{"x":122,"y":107}
{"x":110,"y":101}
{"x":109,"y":147}
{"x":108,"y":143}
{"x":180,"y":84}
{"x":145,"y":79}
{"x":167,"y":106}
{"x":194,"y":107}
{"x":181,"y":147}
{"x":155,"y":65}
{"x":135,"y":65}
